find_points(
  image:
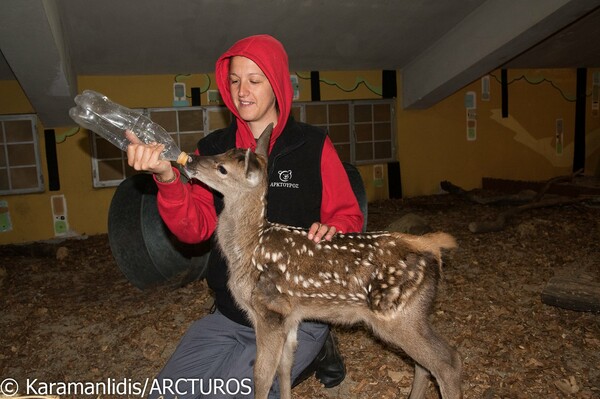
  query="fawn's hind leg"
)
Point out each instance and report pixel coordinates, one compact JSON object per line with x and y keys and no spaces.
{"x":420,"y":382}
{"x":415,"y":336}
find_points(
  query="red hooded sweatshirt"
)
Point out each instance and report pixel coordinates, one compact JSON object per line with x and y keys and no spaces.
{"x":271,"y":58}
{"x":188,"y":209}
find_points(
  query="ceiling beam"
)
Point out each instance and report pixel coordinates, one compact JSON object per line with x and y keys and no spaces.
{"x":32,"y":41}
{"x":491,"y":35}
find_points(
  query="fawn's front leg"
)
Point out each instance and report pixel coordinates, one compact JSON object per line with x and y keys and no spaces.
{"x":270,"y":339}
{"x":286,"y":363}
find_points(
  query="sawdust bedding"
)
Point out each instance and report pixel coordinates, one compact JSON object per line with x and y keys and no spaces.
{"x":68,"y":314}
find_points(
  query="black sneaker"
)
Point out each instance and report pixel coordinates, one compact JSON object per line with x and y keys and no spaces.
{"x":331,"y":369}
{"x":328,"y":366}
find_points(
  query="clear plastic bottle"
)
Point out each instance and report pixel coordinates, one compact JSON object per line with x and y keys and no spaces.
{"x":94,"y":111}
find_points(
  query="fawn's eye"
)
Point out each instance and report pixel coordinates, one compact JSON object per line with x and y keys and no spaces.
{"x":222,"y":169}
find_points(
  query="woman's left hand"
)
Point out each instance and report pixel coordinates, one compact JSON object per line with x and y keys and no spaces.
{"x":318,"y":232}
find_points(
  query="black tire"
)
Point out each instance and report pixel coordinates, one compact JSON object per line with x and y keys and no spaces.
{"x":358,"y":187}
{"x":145,"y":250}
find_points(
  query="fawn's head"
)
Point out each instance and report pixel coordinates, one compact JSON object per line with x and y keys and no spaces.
{"x":234,"y":171}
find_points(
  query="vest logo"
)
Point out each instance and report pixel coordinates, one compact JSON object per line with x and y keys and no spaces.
{"x":285,"y":177}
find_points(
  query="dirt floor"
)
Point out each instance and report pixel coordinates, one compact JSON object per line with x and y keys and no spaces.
{"x":68,"y":313}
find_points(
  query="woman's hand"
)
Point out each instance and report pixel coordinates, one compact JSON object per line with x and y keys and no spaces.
{"x":146,"y":157}
{"x":318,"y":232}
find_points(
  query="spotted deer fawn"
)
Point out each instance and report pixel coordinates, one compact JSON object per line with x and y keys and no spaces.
{"x":280,"y":277}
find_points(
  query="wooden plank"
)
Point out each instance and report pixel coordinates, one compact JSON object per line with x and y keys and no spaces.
{"x":573,"y":293}
{"x":583,"y":186}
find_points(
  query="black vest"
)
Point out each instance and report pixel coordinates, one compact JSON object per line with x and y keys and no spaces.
{"x":293,"y":197}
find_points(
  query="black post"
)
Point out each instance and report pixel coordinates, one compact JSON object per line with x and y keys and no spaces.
{"x":51,"y":160}
{"x":504,"y":83}
{"x":579,"y":141}
{"x":388,"y":84}
{"x":196,"y":99}
{"x":315,"y":86}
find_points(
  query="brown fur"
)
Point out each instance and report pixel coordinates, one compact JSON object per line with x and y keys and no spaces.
{"x":386,"y":280}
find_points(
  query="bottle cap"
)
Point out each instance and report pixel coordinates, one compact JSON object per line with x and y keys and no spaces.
{"x":182,"y":159}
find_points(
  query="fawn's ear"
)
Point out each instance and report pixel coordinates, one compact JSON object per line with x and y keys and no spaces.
{"x":252,"y":168}
{"x":262,"y":145}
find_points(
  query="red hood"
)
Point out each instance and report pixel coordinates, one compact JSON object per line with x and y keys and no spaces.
{"x":270,"y":56}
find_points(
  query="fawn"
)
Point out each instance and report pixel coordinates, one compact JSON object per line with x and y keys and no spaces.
{"x":280,"y":277}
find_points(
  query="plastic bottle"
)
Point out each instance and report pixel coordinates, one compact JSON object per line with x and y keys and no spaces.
{"x":94,"y":111}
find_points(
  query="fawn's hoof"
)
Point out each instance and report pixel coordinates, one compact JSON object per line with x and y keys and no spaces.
{"x":331,"y":369}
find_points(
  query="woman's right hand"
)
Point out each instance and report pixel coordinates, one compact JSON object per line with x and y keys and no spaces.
{"x":146,"y":157}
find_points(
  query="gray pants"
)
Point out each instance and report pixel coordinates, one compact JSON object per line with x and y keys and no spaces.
{"x":215,"y":359}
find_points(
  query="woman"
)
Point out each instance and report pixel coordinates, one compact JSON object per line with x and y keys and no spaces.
{"x":308,"y":188}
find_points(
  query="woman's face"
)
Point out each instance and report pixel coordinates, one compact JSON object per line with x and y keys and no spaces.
{"x":251,"y":92}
